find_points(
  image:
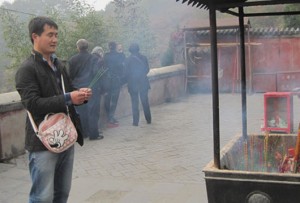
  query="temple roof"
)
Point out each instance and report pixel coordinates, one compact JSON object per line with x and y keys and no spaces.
{"x":227,"y":4}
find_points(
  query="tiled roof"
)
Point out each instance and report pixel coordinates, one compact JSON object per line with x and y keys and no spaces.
{"x":205,"y":3}
{"x":227,"y":4}
{"x":275,"y":31}
{"x":225,"y":23}
{"x":255,"y":31}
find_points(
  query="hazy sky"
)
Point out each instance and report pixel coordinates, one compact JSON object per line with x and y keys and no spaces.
{"x":98,"y":4}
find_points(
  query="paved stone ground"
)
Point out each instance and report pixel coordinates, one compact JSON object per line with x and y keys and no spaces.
{"x":157,"y":163}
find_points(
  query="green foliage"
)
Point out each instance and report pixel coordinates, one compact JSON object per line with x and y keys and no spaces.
{"x":266,"y":21}
{"x":292,"y":20}
{"x":81,"y":22}
{"x":16,"y":36}
{"x":167,"y":58}
{"x":75,"y":20}
{"x":133,"y":23}
{"x":91,"y":27}
{"x":174,"y":53}
{"x":18,"y":44}
{"x":125,"y":22}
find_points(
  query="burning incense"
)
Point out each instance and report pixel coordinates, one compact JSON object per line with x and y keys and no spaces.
{"x":252,"y":151}
{"x":246,"y":154}
{"x":266,"y":145}
{"x":297,"y":152}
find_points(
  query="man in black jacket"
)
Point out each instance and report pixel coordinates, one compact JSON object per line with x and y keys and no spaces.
{"x":114,"y":62}
{"x":83,"y":68}
{"x":40,"y":87}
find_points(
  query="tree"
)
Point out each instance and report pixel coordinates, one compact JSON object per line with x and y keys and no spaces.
{"x":133,"y":26}
{"x":174,"y":53}
{"x":82,"y":21}
{"x":292,"y":20}
{"x":75,"y":20}
{"x":18,"y":45}
{"x":92,"y":28}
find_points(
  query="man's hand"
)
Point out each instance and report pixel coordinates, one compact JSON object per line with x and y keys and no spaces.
{"x":80,"y":96}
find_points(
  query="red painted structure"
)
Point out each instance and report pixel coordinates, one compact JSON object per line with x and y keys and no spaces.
{"x":276,"y":63}
{"x":272,"y":58}
{"x":278,"y":112}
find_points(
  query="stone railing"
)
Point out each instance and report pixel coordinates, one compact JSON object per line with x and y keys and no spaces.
{"x":167,"y":84}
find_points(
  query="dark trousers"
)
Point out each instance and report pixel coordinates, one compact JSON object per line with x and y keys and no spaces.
{"x":112,"y":97}
{"x":135,"y":106}
{"x":82,"y":111}
{"x":94,"y":115}
{"x":89,"y":116}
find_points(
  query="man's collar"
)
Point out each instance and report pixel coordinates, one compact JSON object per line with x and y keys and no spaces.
{"x":83,"y":51}
{"x":35,"y":54}
{"x":53,"y":58}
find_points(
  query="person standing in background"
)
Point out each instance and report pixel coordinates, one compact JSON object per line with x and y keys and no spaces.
{"x":120,"y":50}
{"x":82,"y":69}
{"x":136,"y":70}
{"x":100,"y":83}
{"x":38,"y":81}
{"x":114,"y":62}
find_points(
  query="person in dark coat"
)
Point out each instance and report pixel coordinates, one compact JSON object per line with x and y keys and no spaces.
{"x":136,"y":70}
{"x":114,"y":62}
{"x":38,"y":81}
{"x":83,"y":68}
{"x":100,"y":83}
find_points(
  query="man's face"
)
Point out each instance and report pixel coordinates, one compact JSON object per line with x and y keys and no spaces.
{"x":119,"y":48}
{"x":46,"y":43}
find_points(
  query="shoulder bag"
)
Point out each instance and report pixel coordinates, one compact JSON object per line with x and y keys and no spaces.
{"x":57,"y":131}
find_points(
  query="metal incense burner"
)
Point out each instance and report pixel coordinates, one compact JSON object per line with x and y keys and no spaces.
{"x":251,"y":171}
{"x":246,"y":170}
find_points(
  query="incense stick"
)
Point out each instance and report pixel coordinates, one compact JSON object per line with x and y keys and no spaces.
{"x":99,"y":74}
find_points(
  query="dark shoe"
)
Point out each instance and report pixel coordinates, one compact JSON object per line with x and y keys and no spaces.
{"x":100,"y":137}
{"x":135,"y":124}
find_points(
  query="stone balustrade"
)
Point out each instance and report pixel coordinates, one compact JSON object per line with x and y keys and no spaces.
{"x":167,"y":84}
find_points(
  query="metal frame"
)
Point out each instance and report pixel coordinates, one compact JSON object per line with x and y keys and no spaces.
{"x":225,"y":6}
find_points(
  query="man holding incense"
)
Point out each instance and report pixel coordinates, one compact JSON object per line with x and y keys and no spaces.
{"x":83,"y":67}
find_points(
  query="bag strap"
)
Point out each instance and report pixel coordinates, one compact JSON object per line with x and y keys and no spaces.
{"x":35,"y":128}
{"x":36,"y":131}
{"x":64,"y":90}
{"x":139,"y":60}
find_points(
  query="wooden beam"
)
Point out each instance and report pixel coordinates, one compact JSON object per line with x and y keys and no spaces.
{"x":225,"y":44}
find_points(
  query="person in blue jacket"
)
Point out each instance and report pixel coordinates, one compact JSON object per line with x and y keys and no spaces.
{"x":136,"y":70}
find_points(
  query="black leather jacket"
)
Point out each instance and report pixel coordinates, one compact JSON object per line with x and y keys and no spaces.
{"x":114,"y":61}
{"x":41,"y":94}
{"x":82,"y":69}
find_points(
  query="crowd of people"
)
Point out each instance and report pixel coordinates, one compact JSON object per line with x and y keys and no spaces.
{"x":46,"y":86}
{"x":105,"y":74}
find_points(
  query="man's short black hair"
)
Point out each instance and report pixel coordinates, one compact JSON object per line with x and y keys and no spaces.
{"x":36,"y":25}
{"x":134,"y":48}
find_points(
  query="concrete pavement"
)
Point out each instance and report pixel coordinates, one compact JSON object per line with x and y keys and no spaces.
{"x":157,"y":163}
